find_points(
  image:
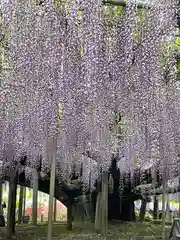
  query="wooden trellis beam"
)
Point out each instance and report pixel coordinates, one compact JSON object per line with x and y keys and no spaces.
{"x":115,"y":2}
{"x":140,"y":4}
{"x":123,"y":3}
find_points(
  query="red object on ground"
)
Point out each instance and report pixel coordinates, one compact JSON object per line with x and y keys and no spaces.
{"x":42,"y":210}
{"x":28,"y":212}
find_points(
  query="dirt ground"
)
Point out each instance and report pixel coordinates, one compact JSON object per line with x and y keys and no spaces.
{"x":85,"y":231}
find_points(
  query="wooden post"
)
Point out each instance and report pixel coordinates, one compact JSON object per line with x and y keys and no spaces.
{"x":20,"y":204}
{"x":97,"y":223}
{"x":1,"y":191}
{"x":142,"y":210}
{"x":52,"y":186}
{"x":11,"y":216}
{"x":55,"y":208}
{"x":178,"y":195}
{"x":104,"y":204}
{"x":155,"y":210}
{"x":35,"y":197}
{"x":69,"y":214}
{"x":164,"y":208}
{"x":163,"y":215}
{"x":179,"y":204}
{"x":24,"y":201}
{"x":168,"y":208}
{"x":165,"y":171}
{"x":86,"y":207}
{"x":14,"y":207}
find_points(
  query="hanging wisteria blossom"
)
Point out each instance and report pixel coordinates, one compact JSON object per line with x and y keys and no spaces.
{"x":98,"y":90}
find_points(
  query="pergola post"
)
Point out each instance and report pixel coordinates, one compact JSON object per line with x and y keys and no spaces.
{"x":164,"y":214}
{"x":52,"y":186}
{"x":142,"y":209}
{"x":155,"y":209}
{"x":35,"y":196}
{"x":1,"y":191}
{"x":24,"y":202}
{"x":55,"y":209}
{"x":97,"y":222}
{"x":168,"y":208}
{"x":20,"y":204}
{"x":104,"y":204}
{"x":164,"y":203}
{"x":11,"y":216}
{"x":69,"y":213}
{"x":179,"y":204}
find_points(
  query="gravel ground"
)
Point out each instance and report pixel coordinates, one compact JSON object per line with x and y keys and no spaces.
{"x":84,"y":231}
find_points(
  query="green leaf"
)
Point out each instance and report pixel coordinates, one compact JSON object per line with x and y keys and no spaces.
{"x":119,"y":11}
{"x":79,"y":13}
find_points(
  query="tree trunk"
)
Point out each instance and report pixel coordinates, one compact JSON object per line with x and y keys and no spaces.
{"x":55,"y":210}
{"x":11,"y":216}
{"x":69,"y":214}
{"x":128,"y":210}
{"x":142,"y":210}
{"x":35,"y":197}
{"x":24,"y":201}
{"x":20,"y":204}
{"x":104,"y":204}
{"x":97,"y":222}
{"x":155,"y":210}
